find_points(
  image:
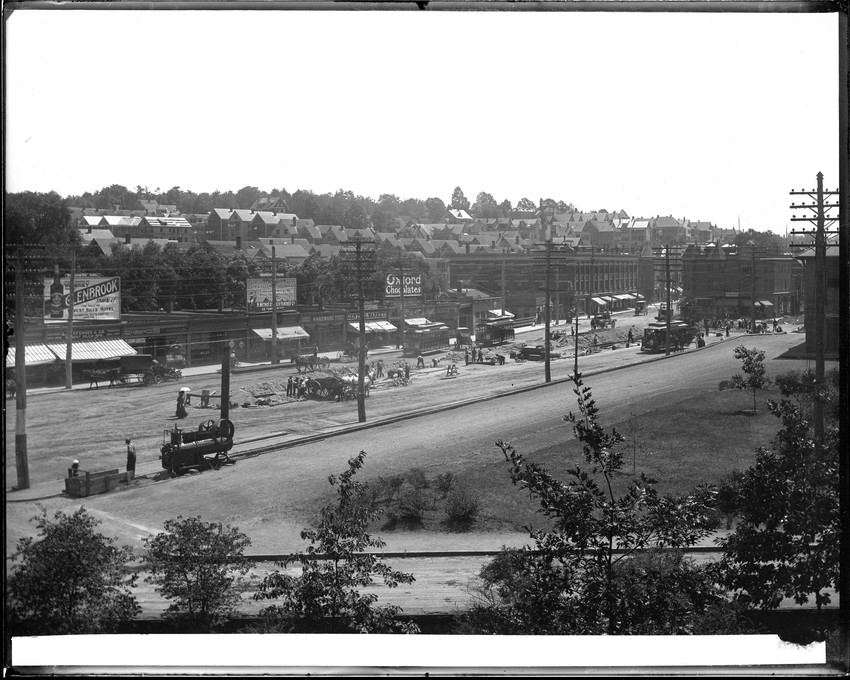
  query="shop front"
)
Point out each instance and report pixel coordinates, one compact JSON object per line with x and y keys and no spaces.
{"x":291,"y":341}
{"x":379,"y":331}
{"x":325,"y":328}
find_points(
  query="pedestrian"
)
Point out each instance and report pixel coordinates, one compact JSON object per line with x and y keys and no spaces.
{"x":380,"y":368}
{"x":406,"y":371}
{"x":131,"y":459}
{"x":595,"y":341}
{"x":728,"y":326}
{"x":302,"y":390}
{"x":75,"y":468}
{"x":420,"y":362}
{"x":181,"y":404}
{"x":631,"y":338}
{"x":466,"y":357}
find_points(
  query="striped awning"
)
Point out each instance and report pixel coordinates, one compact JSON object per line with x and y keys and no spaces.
{"x":94,"y":351}
{"x":284,"y":333}
{"x":623,"y":296}
{"x":599,"y":301}
{"x":34,"y":355}
{"x":765,"y":303}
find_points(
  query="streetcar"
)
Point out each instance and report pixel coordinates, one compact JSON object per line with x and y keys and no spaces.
{"x":655,"y":336}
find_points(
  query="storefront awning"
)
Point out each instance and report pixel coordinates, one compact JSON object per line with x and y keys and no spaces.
{"x":599,"y":301}
{"x":34,"y":355}
{"x":417,"y":322}
{"x":500,"y":313}
{"x":284,"y":333}
{"x":608,"y":298}
{"x":384,"y":326}
{"x":765,"y":303}
{"x":624,"y":296}
{"x":95,"y":351}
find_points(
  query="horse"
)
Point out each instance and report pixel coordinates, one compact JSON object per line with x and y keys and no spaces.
{"x":306,"y":361}
{"x":102,"y":375}
{"x":351,"y":381}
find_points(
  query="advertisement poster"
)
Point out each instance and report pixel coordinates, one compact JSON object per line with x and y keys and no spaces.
{"x":260,"y":294}
{"x":96,"y":298}
{"x":412,"y":285}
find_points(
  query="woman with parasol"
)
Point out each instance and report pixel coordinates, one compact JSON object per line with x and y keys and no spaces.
{"x":181,"y":402}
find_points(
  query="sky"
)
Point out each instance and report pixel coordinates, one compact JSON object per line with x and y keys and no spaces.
{"x":711,"y":117}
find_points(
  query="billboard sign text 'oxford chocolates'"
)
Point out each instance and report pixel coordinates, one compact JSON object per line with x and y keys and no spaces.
{"x":96,"y":298}
{"x":412,"y":285}
{"x":260,"y":294}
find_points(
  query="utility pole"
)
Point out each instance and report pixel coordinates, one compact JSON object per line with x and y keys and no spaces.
{"x":365,"y":268}
{"x":819,"y":219}
{"x":400,"y":330}
{"x":69,"y":346}
{"x":21,"y":460}
{"x":546,"y":221}
{"x":668,"y":282}
{"x":275,"y":359}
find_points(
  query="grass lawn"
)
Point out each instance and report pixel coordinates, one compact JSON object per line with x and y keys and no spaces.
{"x":680,"y":445}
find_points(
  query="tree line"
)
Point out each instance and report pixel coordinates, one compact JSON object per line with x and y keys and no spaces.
{"x":611,"y":560}
{"x":340,"y":207}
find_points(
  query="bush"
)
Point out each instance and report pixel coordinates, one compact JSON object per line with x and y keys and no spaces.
{"x":410,"y":505}
{"x":462,"y":506}
{"x":385,"y":488}
{"x":416,"y":478}
{"x":444,"y":482}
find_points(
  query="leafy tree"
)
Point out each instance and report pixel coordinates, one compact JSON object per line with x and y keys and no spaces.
{"x":383,"y":221}
{"x":753,"y":367}
{"x":767,"y":243}
{"x":355,"y":217}
{"x":197,"y":565}
{"x":505,"y":207}
{"x":526,"y":205}
{"x":116,"y":195}
{"x":31,"y":217}
{"x":71,"y":579}
{"x":326,"y":597}
{"x":459,"y":201}
{"x":246,"y":196}
{"x":485,"y":206}
{"x":786,"y":542}
{"x":436,"y":209}
{"x":572,"y":582}
{"x":389,"y":203}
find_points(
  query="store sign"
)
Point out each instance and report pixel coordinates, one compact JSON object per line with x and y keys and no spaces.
{"x":260,"y":294}
{"x":412,"y":285}
{"x":380,"y":315}
{"x":95,"y":298}
{"x":60,"y":335}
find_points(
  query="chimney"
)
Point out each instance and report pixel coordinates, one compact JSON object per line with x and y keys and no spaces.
{"x":467,"y":247}
{"x":293,"y":220}
{"x":238,"y":242}
{"x":127,"y":238}
{"x":90,"y":229}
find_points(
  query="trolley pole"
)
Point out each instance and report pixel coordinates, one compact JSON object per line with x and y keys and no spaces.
{"x":400,"y":330}
{"x":364,"y":269}
{"x":225,"y":380}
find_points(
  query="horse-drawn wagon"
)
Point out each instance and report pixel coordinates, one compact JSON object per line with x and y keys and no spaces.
{"x":310,"y":361}
{"x":202,"y":449}
{"x":135,"y":369}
